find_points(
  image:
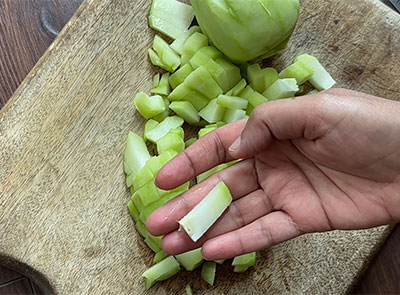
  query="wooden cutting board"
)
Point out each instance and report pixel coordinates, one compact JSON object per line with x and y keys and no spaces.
{"x":63,"y":216}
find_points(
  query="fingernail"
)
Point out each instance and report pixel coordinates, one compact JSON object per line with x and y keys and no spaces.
{"x":235,"y":145}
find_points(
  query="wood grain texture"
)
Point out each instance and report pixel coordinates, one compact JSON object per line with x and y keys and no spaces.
{"x":61,"y":180}
{"x":27,"y":28}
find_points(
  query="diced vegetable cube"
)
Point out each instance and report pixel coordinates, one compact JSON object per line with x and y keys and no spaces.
{"x":232,"y":73}
{"x":203,"y":56}
{"x":205,"y":213}
{"x":188,"y":290}
{"x":141,"y":228}
{"x":190,"y":260}
{"x":213,"y":112}
{"x":208,"y":272}
{"x":255,"y":100}
{"x":202,"y":81}
{"x":189,"y":142}
{"x":162,"y":270}
{"x":177,"y":45}
{"x":156,"y":80}
{"x":192,"y":45}
{"x":163,"y":87}
{"x":185,"y":110}
{"x":142,"y":177}
{"x":300,"y":71}
{"x":152,"y":244}
{"x":160,"y":255}
{"x":148,"y":194}
{"x":238,"y":88}
{"x":149,"y":106}
{"x":282,"y":88}
{"x":135,"y":155}
{"x":246,"y":259}
{"x":180,"y":75}
{"x":234,"y":115}
{"x":232,"y":102}
{"x":170,"y":141}
{"x":133,"y":211}
{"x":169,"y":58}
{"x":164,"y":127}
{"x":261,"y":79}
{"x":321,"y":79}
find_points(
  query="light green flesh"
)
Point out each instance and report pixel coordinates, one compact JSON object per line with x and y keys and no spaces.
{"x":192,"y":45}
{"x":202,"y":81}
{"x":150,"y":124}
{"x":245,"y":260}
{"x":160,"y":255}
{"x":152,"y":245}
{"x":189,"y":142}
{"x":188,"y":290}
{"x":162,"y":270}
{"x":170,"y":17}
{"x":169,"y":58}
{"x":155,"y":59}
{"x":177,"y":45}
{"x":164,"y":127}
{"x":147,"y":106}
{"x":231,"y":116}
{"x":261,"y":79}
{"x":135,"y":155}
{"x":232,"y":73}
{"x":204,"y":131}
{"x":180,"y":75}
{"x":160,"y":117}
{"x":247,"y":92}
{"x":321,"y":79}
{"x":179,"y":131}
{"x":184,"y":92}
{"x":299,"y":71}
{"x":232,"y":102}
{"x":190,"y":260}
{"x":142,"y":177}
{"x":238,"y":88}
{"x":205,"y":175}
{"x":240,"y":269}
{"x":148,"y":193}
{"x":204,"y":55}
{"x":282,"y":88}
{"x":149,"y":283}
{"x":163,"y":87}
{"x":170,"y":141}
{"x":208,"y":272}
{"x":205,"y":213}
{"x":156,"y":80}
{"x":213,"y":112}
{"x":255,"y":100}
{"x":141,"y":228}
{"x":186,"y":111}
{"x":134,"y":212}
{"x":220,"y":261}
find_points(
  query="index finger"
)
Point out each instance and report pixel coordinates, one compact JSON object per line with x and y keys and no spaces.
{"x":207,"y":152}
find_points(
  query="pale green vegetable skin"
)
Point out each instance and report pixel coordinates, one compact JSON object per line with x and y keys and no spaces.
{"x":162,"y":270}
{"x":147,"y":106}
{"x":164,"y":127}
{"x":160,"y":255}
{"x":190,"y":260}
{"x":186,"y":111}
{"x":208,"y":272}
{"x":188,"y":290}
{"x":232,"y":102}
{"x":282,"y":88}
{"x":205,"y":213}
{"x":213,"y":112}
{"x":246,"y":30}
{"x":135,"y":155}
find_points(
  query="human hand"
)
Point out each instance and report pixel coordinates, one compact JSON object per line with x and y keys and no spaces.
{"x":311,"y":164}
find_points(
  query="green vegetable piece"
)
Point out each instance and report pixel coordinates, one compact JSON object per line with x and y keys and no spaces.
{"x":150,"y":124}
{"x":321,"y":79}
{"x":167,"y":55}
{"x":154,"y":165}
{"x":245,"y":259}
{"x":314,"y":91}
{"x":162,"y":270}
{"x":270,"y":77}
{"x":220,"y":261}
{"x":255,"y":100}
{"x":185,"y":110}
{"x":297,"y":70}
{"x":188,"y":290}
{"x":146,"y":212}
{"x":213,"y":112}
{"x":179,"y":131}
{"x":137,"y":201}
{"x":232,"y":102}
{"x":205,"y":175}
{"x":282,"y":88}
{"x":238,"y":88}
{"x":190,"y":260}
{"x":156,"y":80}
{"x":135,"y":155}
{"x":164,"y":127}
{"x":152,"y":245}
{"x":205,"y":213}
{"x":166,"y":157}
{"x":180,"y":92}
{"x":142,"y":177}
{"x":149,"y":106}
{"x":170,"y":141}
{"x":133,"y":211}
{"x":203,"y":56}
{"x":160,"y":255}
{"x":232,"y":73}
{"x":247,"y":92}
{"x":163,"y":87}
{"x":184,"y":92}
{"x":155,"y":59}
{"x":234,"y":115}
{"x":160,"y":117}
{"x":202,"y":123}
{"x":192,"y":45}
{"x":208,"y":272}
{"x":141,"y":228}
{"x":180,"y":75}
{"x":189,"y":142}
{"x":177,"y":45}
{"x":261,"y":79}
{"x":218,"y":73}
{"x":148,"y":194}
{"x":246,"y":30}
{"x":205,"y":131}
{"x":240,"y":268}
{"x":149,"y":283}
{"x":170,"y":17}
{"x":202,"y":81}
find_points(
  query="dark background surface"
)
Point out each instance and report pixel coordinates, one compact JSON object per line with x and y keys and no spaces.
{"x":27,"y":28}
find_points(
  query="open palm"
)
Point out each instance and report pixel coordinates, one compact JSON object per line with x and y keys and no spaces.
{"x":317,"y":163}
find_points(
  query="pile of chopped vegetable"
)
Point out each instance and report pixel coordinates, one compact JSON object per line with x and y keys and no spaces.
{"x":201,"y":87}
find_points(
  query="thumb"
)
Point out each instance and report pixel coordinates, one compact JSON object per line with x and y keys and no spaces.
{"x":281,"y":119}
